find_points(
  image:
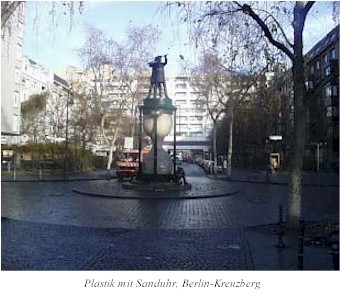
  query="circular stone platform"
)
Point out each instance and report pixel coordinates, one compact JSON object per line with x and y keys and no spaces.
{"x":155,"y":186}
{"x":200,"y":188}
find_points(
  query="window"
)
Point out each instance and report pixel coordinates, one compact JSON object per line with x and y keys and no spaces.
{"x":182,"y":118}
{"x":15,"y":123}
{"x":327,"y":71}
{"x":332,"y":54}
{"x":182,"y":110}
{"x":311,"y":69}
{"x":24,"y":95}
{"x":182,"y":127}
{"x":19,"y":52}
{"x":310,"y":84}
{"x":17,"y":75}
{"x":181,"y":86}
{"x":20,"y":30}
{"x":328,"y":91}
{"x":329,"y":131}
{"x":329,"y":111}
{"x":196,"y":118}
{"x":196,"y":127}
{"x":317,"y":65}
{"x":16,"y":99}
{"x":326,"y":59}
{"x":180,"y":95}
{"x":334,"y":91}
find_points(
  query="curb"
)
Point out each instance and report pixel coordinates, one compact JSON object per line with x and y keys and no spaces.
{"x":153,"y":195}
{"x":59,"y":180}
{"x":271,"y":183}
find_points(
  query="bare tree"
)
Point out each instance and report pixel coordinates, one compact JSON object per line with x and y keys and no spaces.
{"x":33,"y":116}
{"x":229,"y":90}
{"x":280,"y":24}
{"x":115,"y":69}
{"x":8,"y":8}
{"x":204,"y":81}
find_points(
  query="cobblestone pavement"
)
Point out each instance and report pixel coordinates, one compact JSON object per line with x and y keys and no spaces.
{"x":55,"y":247}
{"x":47,"y":226}
{"x":200,"y":188}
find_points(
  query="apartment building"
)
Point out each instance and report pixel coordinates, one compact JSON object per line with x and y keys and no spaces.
{"x":11,"y":74}
{"x":323,"y":87}
{"x":322,"y":82}
{"x":37,"y":80}
{"x":193,"y":125}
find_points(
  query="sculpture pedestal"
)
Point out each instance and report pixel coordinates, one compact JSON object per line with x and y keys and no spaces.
{"x":164,"y":162}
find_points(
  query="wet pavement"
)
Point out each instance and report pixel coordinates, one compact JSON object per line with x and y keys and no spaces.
{"x":47,"y":226}
{"x":199,"y":188}
{"x":87,"y":248}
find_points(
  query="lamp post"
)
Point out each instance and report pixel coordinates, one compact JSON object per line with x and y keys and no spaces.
{"x":66,"y":155}
{"x":318,"y":145}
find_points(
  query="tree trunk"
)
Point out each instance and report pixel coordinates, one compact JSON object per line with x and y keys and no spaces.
{"x":110,"y":158}
{"x":299,"y":133}
{"x":215,"y":146}
{"x":230,"y":144}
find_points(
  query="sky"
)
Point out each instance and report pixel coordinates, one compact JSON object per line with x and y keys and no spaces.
{"x":54,"y":46}
{"x":51,"y":43}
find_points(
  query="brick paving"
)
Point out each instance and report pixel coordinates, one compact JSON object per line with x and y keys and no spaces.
{"x":200,"y":188}
{"x":61,"y":247}
{"x":46,"y":226}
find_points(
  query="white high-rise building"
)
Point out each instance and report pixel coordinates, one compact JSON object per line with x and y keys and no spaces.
{"x":12,"y":40}
{"x":193,"y":125}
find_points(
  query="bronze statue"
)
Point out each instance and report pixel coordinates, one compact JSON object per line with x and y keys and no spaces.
{"x":157,"y":76}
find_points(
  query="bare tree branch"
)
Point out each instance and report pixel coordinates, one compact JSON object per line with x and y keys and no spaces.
{"x":249,"y":11}
{"x":7,"y":9}
{"x":279,"y":26}
{"x":308,"y":6}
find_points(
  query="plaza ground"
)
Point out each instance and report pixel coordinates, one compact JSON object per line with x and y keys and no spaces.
{"x":47,"y":226}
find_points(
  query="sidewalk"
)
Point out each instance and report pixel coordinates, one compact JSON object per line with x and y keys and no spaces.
{"x":238,"y":175}
{"x":280,"y":178}
{"x":28,"y":176}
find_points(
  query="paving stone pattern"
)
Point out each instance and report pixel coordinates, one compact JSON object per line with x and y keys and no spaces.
{"x":46,"y":226}
{"x":58,"y":247}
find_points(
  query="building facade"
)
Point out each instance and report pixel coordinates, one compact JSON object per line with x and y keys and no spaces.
{"x":193,"y":127}
{"x":12,"y":40}
{"x":193,"y":124}
{"x":50,"y":122}
{"x":322,"y":83}
{"x":323,"y":90}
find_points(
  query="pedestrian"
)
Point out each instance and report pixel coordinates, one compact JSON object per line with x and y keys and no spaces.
{"x":180,"y":174}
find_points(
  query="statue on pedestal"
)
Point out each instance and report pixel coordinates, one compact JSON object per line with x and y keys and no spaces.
{"x":158,"y":77}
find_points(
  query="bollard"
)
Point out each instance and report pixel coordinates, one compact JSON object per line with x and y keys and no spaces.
{"x":301,"y":239}
{"x":280,"y":243}
{"x":335,"y":256}
{"x":14,"y":174}
{"x":40,"y":174}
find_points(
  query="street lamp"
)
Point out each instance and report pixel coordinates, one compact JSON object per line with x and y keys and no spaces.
{"x":66,"y":152}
